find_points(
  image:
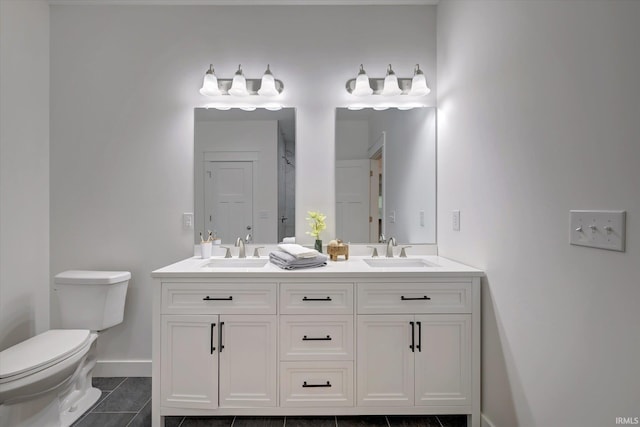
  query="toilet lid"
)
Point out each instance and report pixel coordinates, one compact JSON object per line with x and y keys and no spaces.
{"x":40,"y":351}
{"x":88,"y":277}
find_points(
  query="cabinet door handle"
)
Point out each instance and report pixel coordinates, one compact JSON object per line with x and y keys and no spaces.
{"x":403,"y":298}
{"x":208,"y":298}
{"x":328,"y":338}
{"x":220,"y":340}
{"x":413,"y":336}
{"x":213,"y":325}
{"x":316,"y":299}
{"x":328,"y":384}
{"x":419,"y":346}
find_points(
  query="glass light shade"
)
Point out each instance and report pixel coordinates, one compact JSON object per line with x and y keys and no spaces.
{"x":363,"y":88}
{"x":239,"y":84}
{"x":273,"y":107}
{"x":210,"y":84}
{"x":268,"y":84}
{"x":391,"y":87}
{"x":419,"y":84}
{"x":248,"y":108}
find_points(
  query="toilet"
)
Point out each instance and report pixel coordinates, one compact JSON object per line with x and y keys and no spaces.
{"x":45,"y":381}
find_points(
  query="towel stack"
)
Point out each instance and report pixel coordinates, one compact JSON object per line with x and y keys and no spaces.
{"x":291,"y":256}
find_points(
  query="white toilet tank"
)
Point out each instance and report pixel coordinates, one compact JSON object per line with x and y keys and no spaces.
{"x":91,"y":300}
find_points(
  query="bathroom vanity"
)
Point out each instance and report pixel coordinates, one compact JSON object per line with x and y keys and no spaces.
{"x":357,"y":337}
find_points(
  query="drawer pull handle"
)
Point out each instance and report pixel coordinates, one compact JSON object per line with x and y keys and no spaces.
{"x":220,"y":339}
{"x":328,"y":384}
{"x":316,"y":299}
{"x":419,"y":346}
{"x":208,"y":298}
{"x":328,"y":338}
{"x":403,"y":298}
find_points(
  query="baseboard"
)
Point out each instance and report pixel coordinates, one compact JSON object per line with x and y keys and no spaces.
{"x":486,"y":422}
{"x":122,"y":368}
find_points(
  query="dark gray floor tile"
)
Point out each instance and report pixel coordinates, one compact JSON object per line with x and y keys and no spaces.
{"x":143,"y":418}
{"x":131,"y":395}
{"x":172,"y":421}
{"x":453,"y":420}
{"x":206,"y":422}
{"x":258,"y":422}
{"x":106,"y":420}
{"x":413,"y":421}
{"x":107,"y":384}
{"x":363,"y":421}
{"x":310,"y":422}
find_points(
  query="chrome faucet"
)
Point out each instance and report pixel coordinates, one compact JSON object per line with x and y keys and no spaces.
{"x":390,"y":243}
{"x":240,"y":244}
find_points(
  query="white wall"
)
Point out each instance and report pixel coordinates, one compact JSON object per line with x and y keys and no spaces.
{"x":538,"y":114}
{"x":124,"y":82}
{"x":24,"y":170}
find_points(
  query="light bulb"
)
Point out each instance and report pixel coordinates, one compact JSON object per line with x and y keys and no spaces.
{"x":239,"y":84}
{"x":268,"y":84}
{"x":419,"y":83}
{"x":363,"y":88}
{"x":210,"y":83}
{"x":391,"y":87}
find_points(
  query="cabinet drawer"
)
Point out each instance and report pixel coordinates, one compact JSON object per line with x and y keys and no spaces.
{"x":316,"y":298}
{"x":315,"y":384}
{"x":316,"y":337}
{"x":218,"y":298}
{"x":392,"y":298}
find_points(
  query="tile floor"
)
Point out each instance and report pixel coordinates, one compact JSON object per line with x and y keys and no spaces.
{"x":126,"y":402}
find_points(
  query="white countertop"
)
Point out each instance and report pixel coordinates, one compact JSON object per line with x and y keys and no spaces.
{"x":195,"y":267}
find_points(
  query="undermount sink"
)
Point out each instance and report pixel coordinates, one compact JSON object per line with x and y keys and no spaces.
{"x":237,"y":263}
{"x":398,"y":263}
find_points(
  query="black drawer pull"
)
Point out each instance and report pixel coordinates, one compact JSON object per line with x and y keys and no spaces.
{"x":316,"y":299}
{"x":328,"y":338}
{"x":220,"y":339}
{"x":328,"y":384}
{"x":419,"y":346}
{"x":208,"y":298}
{"x":403,"y":298}
{"x":413,"y":337}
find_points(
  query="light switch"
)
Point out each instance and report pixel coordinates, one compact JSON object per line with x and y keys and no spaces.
{"x":455,"y":220}
{"x":421,"y":218}
{"x":392,"y":217}
{"x":598,"y":229}
{"x":187,"y":221}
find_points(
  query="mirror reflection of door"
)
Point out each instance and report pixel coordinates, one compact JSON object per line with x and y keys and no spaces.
{"x":229,"y":199}
{"x":352,"y":201}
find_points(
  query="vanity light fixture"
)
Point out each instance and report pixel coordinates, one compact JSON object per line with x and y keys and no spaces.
{"x":391,"y":85}
{"x":239,"y":86}
{"x":362,"y":84}
{"x":419,"y":83}
{"x":210,"y":83}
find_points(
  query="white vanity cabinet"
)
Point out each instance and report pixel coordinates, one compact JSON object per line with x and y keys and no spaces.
{"x":345,"y":339}
{"x":221,"y":360}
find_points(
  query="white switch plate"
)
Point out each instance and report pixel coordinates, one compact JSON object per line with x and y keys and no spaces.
{"x":598,"y":229}
{"x":455,"y":220}
{"x":421,"y":218}
{"x":392,"y":217}
{"x":187,"y":221}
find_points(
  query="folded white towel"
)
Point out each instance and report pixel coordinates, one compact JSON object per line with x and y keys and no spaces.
{"x":298,"y":251}
{"x":289,"y":240}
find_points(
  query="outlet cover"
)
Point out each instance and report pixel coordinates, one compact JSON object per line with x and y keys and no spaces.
{"x":455,"y":220}
{"x":598,"y":229}
{"x":187,"y":221}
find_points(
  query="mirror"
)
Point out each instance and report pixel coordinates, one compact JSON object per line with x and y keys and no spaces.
{"x":244,"y":174}
{"x":386,"y":175}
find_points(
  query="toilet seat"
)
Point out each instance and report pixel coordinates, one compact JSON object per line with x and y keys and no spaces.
{"x":40,"y":352}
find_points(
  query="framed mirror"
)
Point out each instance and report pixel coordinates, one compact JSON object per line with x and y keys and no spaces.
{"x":244,"y":174}
{"x":386,"y":175}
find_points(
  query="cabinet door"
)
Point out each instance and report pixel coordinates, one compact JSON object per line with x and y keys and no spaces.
{"x":443,"y":360}
{"x":385,"y":361}
{"x":248,"y":361}
{"x":189,"y":361}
